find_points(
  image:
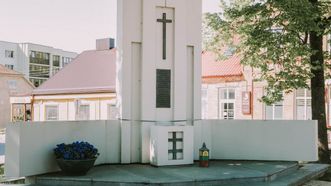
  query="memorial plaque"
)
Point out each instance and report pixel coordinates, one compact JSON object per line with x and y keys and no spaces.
{"x":163,"y":88}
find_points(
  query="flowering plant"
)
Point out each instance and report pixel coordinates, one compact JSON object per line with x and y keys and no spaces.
{"x":76,"y":151}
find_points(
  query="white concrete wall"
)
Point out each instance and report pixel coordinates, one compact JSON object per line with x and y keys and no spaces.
{"x":258,"y":140}
{"x":29,"y":148}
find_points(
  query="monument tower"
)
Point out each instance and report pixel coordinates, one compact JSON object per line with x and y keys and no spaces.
{"x":159,"y":70}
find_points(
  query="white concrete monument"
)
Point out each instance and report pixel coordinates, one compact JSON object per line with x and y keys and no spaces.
{"x":158,"y":89}
{"x":158,"y":68}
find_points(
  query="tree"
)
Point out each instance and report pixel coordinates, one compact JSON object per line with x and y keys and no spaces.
{"x":283,"y":40}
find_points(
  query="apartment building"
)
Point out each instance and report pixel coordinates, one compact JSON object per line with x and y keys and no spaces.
{"x":36,"y":62}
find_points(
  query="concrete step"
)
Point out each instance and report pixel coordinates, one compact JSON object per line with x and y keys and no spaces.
{"x":228,"y":173}
{"x":304,"y":174}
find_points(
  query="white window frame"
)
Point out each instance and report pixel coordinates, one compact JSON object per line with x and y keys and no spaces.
{"x":46,"y":112}
{"x":274,"y":110}
{"x":9,"y":53}
{"x":111,"y":105}
{"x":222,"y":101}
{"x":305,"y":98}
{"x":79,"y":112}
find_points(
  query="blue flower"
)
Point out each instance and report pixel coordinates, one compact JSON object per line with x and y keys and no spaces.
{"x":78,"y":150}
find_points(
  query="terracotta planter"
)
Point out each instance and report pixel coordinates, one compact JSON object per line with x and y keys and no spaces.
{"x":75,"y":167}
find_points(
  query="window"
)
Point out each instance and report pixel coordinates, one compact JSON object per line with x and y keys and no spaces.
{"x":21,"y":112}
{"x":65,"y":61}
{"x":39,"y":71}
{"x":11,"y":67}
{"x":204,"y":102}
{"x":274,"y":112}
{"x":112,"y":112}
{"x":56,"y":61}
{"x":52,"y":113}
{"x":17,"y":112}
{"x":33,"y":54}
{"x":56,"y":64}
{"x":39,"y":58}
{"x":9,"y":54}
{"x":83,"y":112}
{"x":226,"y":103}
{"x":303,"y":104}
{"x":39,"y":67}
{"x":46,"y":56}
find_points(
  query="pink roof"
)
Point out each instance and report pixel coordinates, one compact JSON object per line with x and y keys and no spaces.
{"x":213,"y":68}
{"x":90,"y":72}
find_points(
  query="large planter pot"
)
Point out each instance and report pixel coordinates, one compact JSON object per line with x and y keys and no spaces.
{"x":75,"y":167}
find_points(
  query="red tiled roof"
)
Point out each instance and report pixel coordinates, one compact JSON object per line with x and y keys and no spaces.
{"x":91,"y":72}
{"x":4,"y":70}
{"x":211,"y":68}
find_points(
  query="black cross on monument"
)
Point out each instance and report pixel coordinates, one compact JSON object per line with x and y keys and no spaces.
{"x":174,"y":149}
{"x":164,"y":22}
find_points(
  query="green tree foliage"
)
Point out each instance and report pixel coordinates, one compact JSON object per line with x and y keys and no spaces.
{"x":282,"y":40}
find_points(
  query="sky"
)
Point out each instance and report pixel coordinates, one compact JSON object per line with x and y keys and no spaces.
{"x":71,"y":25}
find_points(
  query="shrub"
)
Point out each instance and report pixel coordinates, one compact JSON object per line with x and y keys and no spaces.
{"x":76,"y":151}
